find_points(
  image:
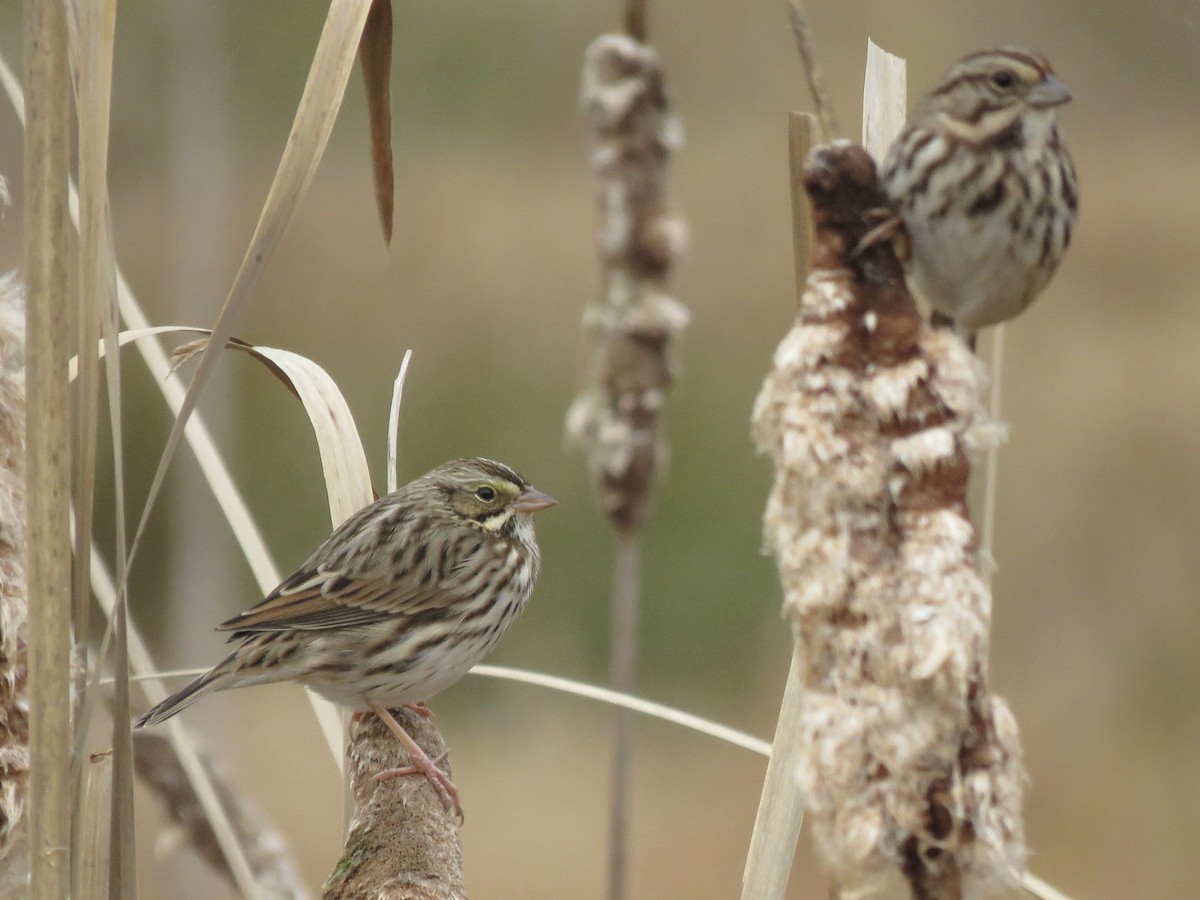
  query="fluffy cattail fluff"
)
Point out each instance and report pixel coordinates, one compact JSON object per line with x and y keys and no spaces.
{"x":617,"y":419}
{"x":14,"y":705}
{"x":912,"y":769}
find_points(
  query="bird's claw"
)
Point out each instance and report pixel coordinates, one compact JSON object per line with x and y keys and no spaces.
{"x":437,"y":779}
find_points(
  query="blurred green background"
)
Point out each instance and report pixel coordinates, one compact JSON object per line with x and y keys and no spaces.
{"x":1097,"y":610}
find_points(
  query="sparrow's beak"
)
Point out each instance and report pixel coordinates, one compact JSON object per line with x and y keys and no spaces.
{"x":1050,"y":92}
{"x":531,"y":500}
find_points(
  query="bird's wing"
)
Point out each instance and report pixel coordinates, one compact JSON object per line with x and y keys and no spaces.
{"x":315,"y":599}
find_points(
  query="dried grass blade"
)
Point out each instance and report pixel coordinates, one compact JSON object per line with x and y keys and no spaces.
{"x":628,"y":701}
{"x":92,"y":865}
{"x":781,"y":806}
{"x":91,"y":28}
{"x":885,"y":100}
{"x":93,"y":59}
{"x":393,"y":466}
{"x":310,"y":132}
{"x":375,"y":54}
{"x":347,"y":478}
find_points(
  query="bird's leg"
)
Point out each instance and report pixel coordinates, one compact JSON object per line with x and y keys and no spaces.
{"x":420,"y":708}
{"x":421,"y":763}
{"x":888,"y":226}
{"x":939,"y":319}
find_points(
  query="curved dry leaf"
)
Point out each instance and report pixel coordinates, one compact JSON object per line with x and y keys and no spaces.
{"x":343,"y":460}
{"x":375,"y":54}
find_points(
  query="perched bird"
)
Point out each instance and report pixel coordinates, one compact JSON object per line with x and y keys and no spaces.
{"x":985,"y":188}
{"x":397,"y":604}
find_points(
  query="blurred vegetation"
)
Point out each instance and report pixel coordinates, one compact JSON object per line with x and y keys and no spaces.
{"x":1097,"y":612}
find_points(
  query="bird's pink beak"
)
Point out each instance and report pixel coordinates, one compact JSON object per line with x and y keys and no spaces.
{"x":531,"y":500}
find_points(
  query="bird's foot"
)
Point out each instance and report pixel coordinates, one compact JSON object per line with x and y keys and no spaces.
{"x":439,"y":780}
{"x":888,"y":226}
{"x":421,"y":764}
{"x":420,"y":708}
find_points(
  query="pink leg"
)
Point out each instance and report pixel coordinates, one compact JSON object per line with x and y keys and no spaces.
{"x":421,"y":763}
{"x":419,"y":708}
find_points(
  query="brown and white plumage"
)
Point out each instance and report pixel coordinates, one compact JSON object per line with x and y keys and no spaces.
{"x":985,"y":187}
{"x":398,"y":603}
{"x":358,"y":621}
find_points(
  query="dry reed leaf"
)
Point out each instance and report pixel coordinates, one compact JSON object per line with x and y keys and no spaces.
{"x":92,"y":28}
{"x":649,"y":708}
{"x":375,"y":55}
{"x":347,"y":478}
{"x":323,"y":93}
{"x":95,"y":819}
{"x":393,"y":466}
{"x":885,"y":100}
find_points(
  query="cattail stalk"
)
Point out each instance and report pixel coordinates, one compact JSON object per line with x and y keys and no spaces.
{"x":618,"y":417}
{"x":402,"y":842}
{"x":911,"y":768}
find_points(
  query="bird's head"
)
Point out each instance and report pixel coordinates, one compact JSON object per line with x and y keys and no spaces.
{"x":985,"y":94}
{"x":487,"y":493}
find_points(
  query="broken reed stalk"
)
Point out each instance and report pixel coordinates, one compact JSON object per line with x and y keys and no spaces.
{"x":14,"y":609}
{"x":617,"y":418}
{"x":402,"y":842}
{"x":47,"y":454}
{"x":911,"y":769}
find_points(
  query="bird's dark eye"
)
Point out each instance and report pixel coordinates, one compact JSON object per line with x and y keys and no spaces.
{"x":486,"y":494}
{"x":1002,"y":79}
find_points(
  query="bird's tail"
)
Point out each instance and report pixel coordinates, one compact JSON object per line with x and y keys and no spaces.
{"x":212,"y":680}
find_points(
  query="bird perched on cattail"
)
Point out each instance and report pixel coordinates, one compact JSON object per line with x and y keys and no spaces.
{"x":397,"y":604}
{"x":985,"y":187}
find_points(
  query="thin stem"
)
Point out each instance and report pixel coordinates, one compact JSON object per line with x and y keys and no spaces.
{"x":812,"y":72}
{"x":624,"y":663}
{"x":635,"y":20}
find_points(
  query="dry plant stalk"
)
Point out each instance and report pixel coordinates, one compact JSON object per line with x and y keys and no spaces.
{"x":911,"y":769}
{"x":633,"y":132}
{"x":402,"y":842}
{"x":47,"y":259}
{"x":617,"y":419}
{"x":275,"y":872}
{"x":14,"y":610}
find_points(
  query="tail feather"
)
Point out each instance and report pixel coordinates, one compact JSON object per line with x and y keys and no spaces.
{"x":186,"y":696}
